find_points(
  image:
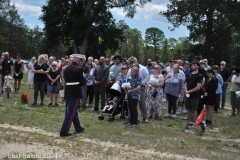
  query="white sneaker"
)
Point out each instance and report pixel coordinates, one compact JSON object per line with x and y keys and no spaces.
{"x":184,"y":111}
{"x":179,"y":111}
{"x":174,"y":116}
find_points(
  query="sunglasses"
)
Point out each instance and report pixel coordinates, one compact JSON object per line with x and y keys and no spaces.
{"x":155,"y":68}
{"x":124,"y":68}
{"x":131,"y":62}
{"x":42,"y":58}
{"x":54,"y":65}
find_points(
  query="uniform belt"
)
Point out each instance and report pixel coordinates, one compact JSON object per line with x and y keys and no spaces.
{"x":72,"y":83}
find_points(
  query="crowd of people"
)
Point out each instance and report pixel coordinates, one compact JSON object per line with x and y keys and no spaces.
{"x":187,"y":87}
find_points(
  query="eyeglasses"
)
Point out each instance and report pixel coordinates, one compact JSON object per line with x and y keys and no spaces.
{"x":42,"y":58}
{"x":54,"y":65}
{"x":155,"y":68}
{"x":222,"y":64}
{"x":131,"y":62}
{"x":124,"y":68}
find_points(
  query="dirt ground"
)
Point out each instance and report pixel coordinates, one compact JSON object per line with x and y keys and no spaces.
{"x":18,"y":150}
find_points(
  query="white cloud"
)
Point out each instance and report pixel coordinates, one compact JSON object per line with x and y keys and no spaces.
{"x":150,"y":12}
{"x":26,"y":10}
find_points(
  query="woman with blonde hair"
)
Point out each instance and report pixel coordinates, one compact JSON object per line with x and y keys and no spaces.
{"x":40,"y":70}
{"x":134,"y":95}
{"x":154,"y":103}
{"x":30,"y":73}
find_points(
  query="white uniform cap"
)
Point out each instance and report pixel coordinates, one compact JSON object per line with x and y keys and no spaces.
{"x":76,"y":56}
{"x":83,"y":56}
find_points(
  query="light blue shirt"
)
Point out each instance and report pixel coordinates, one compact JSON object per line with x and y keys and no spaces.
{"x":143,"y":73}
{"x":220,"y":83}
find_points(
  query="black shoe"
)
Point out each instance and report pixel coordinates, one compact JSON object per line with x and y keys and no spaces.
{"x":41,"y":104}
{"x":65,"y":135}
{"x":56,"y":104}
{"x":81,"y":131}
{"x":50,"y":104}
{"x":34,"y":104}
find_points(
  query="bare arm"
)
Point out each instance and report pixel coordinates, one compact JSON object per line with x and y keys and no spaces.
{"x":22,"y":67}
{"x":194,"y":89}
{"x":161,"y":81}
{"x":134,"y":90}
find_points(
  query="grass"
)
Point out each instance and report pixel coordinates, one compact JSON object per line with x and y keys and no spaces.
{"x":113,"y":140}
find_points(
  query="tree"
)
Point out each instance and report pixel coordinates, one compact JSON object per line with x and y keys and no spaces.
{"x":133,"y":44}
{"x":73,"y":19}
{"x":202,"y":19}
{"x":154,"y":37}
{"x":13,"y":31}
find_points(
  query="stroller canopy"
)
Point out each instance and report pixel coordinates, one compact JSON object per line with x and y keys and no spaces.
{"x":116,"y":90}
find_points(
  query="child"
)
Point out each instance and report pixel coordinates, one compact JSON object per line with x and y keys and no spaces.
{"x":111,"y":104}
{"x":7,"y":81}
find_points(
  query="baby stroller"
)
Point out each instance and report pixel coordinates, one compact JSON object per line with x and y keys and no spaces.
{"x":115,"y":90}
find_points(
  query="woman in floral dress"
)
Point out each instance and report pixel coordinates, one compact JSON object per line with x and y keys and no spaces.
{"x":155,"y":105}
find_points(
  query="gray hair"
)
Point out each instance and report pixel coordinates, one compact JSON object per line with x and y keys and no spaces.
{"x":90,"y":58}
{"x":224,"y":62}
{"x":132,"y":58}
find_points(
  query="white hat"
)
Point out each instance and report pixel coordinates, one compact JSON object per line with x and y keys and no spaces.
{"x":83,"y":56}
{"x":76,"y":55}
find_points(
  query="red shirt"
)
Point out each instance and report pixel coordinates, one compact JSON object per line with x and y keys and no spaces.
{"x":61,"y":66}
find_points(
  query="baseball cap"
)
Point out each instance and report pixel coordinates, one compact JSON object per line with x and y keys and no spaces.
{"x":187,"y":62}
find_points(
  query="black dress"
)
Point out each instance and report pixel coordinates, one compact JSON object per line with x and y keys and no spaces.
{"x":17,"y":67}
{"x":210,"y":88}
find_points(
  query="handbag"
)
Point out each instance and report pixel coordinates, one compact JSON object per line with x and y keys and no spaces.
{"x":59,"y":86}
{"x":154,"y":95}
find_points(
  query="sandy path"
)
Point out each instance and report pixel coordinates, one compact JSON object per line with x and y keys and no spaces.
{"x":11,"y":149}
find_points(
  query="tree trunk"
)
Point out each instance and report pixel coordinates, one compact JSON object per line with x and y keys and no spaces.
{"x":83,"y":46}
{"x":208,"y":43}
{"x":75,"y":48}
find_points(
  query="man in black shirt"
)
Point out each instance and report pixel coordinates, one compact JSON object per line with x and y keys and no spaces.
{"x":7,"y":66}
{"x":192,"y":90}
{"x":225,"y":73}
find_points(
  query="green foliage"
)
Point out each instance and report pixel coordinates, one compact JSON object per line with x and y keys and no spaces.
{"x":154,"y":37}
{"x":212,"y":20}
{"x":13,"y":37}
{"x":132,"y":44}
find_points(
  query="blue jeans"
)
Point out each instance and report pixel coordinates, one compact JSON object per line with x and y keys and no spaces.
{"x":224,"y":89}
{"x":71,"y":116}
{"x":172,"y":103}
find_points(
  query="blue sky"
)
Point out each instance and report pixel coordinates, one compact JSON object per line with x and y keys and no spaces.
{"x":146,"y":17}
